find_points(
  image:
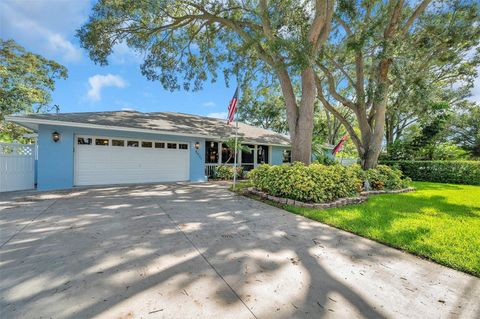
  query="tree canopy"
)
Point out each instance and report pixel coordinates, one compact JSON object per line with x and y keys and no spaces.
{"x":188,"y":42}
{"x":370,"y":57}
{"x":27,"y":79}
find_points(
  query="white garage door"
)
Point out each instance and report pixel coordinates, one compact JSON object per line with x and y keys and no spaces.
{"x":106,"y":160}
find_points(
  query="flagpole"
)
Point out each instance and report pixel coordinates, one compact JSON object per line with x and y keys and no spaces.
{"x":236,"y":155}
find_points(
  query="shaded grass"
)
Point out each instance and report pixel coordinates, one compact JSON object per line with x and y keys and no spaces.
{"x":439,"y":221}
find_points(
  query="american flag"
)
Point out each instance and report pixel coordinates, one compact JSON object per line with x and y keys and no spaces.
{"x":232,"y":107}
{"x":340,"y":144}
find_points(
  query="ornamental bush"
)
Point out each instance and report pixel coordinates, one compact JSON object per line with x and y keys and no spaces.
{"x":225,"y":172}
{"x":385,"y":177}
{"x":313,"y":183}
{"x":456,"y":172}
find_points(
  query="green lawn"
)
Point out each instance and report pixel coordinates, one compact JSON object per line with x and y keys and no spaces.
{"x":438,"y":221}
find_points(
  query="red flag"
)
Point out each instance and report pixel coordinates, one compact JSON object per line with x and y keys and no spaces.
{"x":232,"y":107}
{"x":339,"y":146}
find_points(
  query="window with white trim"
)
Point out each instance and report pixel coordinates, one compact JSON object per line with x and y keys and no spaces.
{"x":118,"y":142}
{"x":132,"y":143}
{"x":84,"y":141}
{"x":102,"y":142}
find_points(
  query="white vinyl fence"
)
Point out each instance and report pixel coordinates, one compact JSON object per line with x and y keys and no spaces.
{"x":346,"y":161}
{"x":17,"y":167}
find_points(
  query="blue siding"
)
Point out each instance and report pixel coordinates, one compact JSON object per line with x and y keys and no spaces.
{"x":277,"y":154}
{"x":55,"y":160}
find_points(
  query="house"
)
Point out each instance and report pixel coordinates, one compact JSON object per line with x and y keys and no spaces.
{"x":102,"y":148}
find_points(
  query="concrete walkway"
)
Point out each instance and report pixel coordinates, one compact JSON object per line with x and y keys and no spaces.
{"x":198,"y":251}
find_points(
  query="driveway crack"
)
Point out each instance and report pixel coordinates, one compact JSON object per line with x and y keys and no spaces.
{"x":29,"y":223}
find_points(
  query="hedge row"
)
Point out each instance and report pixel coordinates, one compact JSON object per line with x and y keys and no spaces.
{"x":319,"y":183}
{"x":455,"y":172}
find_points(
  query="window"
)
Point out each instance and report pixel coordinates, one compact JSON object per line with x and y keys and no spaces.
{"x":183,"y":146}
{"x":247,"y":156}
{"x":262,"y":154}
{"x":172,"y":145}
{"x":132,"y":143}
{"x":159,"y":145}
{"x":227,"y":154}
{"x":84,"y":141}
{"x":211,"y":152}
{"x":147,"y":144}
{"x":101,"y":141}
{"x":287,"y":156}
{"x":118,"y":143}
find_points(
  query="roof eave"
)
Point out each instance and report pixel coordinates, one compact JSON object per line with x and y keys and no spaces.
{"x":31,"y":122}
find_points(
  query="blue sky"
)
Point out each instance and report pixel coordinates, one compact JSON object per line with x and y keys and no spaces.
{"x":47,"y":27}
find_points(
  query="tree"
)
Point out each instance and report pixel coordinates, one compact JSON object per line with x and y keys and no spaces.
{"x":465,"y":129}
{"x":263,"y":107}
{"x":445,"y":67}
{"x":240,"y":147}
{"x":27,"y":79}
{"x":189,"y":41}
{"x":367,"y":41}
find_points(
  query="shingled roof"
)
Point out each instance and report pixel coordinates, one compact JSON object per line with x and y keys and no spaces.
{"x":163,"y":122}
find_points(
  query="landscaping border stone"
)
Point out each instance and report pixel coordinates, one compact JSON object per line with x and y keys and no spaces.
{"x":363,"y":196}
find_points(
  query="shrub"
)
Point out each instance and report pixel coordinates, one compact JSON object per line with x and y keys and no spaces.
{"x":456,"y":172}
{"x":226,"y":172}
{"x":314,"y":183}
{"x":385,"y":177}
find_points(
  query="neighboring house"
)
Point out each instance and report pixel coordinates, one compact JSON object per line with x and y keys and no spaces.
{"x":101,"y":148}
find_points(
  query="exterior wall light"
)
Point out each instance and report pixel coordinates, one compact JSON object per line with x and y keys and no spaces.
{"x":197,"y":145}
{"x":56,"y":136}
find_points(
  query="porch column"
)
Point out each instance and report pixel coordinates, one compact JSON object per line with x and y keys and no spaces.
{"x":255,"y":150}
{"x":219,"y":149}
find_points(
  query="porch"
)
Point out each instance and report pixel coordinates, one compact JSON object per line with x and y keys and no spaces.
{"x":218,"y":153}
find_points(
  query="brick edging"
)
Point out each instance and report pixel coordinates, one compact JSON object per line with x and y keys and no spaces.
{"x":363,"y":196}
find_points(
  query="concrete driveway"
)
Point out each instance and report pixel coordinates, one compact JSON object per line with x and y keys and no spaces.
{"x":198,"y":251}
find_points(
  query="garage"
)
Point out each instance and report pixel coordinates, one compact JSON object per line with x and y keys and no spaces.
{"x":111,"y":160}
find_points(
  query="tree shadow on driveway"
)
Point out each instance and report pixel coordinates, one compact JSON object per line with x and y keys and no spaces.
{"x":197,"y":250}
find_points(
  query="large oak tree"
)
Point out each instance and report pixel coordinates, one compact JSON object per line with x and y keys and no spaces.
{"x":187,"y":42}
{"x":370,"y":43}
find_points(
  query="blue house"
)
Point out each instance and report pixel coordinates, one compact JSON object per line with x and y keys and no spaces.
{"x":104,"y":148}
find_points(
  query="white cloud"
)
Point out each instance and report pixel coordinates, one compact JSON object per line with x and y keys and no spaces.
{"x":65,"y":47}
{"x":218,"y":115}
{"x":123,"y":54}
{"x":44,"y":26}
{"x":209,"y":104}
{"x":98,"y":81}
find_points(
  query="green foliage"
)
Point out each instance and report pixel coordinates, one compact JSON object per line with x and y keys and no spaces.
{"x":437,"y":221}
{"x":443,"y":151}
{"x":225,"y":172}
{"x":188,"y":43}
{"x":263,"y":107}
{"x":26,"y":79}
{"x":384,"y":177}
{"x":319,"y":153}
{"x":457,"y":172}
{"x":314,"y":183}
{"x":465,"y":129}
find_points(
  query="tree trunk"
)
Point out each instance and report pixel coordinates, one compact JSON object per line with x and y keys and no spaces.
{"x":300,"y":118}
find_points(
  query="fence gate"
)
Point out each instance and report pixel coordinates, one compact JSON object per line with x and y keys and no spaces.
{"x":17,"y":167}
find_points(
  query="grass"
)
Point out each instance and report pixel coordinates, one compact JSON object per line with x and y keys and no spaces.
{"x":440,"y":222}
